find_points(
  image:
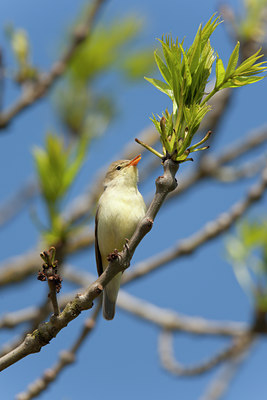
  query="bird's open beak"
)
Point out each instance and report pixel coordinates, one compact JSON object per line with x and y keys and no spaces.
{"x":134,"y":161}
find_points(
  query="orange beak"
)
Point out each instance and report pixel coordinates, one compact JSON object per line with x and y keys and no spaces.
{"x":134,"y":161}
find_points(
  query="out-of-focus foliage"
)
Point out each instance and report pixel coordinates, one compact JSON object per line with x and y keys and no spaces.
{"x":186,"y":73}
{"x":57,"y":167}
{"x":247,"y":252}
{"x":110,"y":48}
{"x":252,"y":24}
{"x":21,"y":49}
{"x":109,"y":45}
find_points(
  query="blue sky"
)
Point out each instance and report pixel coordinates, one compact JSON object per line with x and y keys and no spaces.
{"x":120,"y":359}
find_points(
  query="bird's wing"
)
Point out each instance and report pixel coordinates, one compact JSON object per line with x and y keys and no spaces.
{"x":97,"y":251}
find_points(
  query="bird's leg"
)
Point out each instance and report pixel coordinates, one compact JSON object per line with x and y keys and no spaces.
{"x":128,"y":255}
{"x":126,"y":247}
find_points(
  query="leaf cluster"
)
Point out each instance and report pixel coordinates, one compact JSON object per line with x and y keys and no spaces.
{"x":185,"y":75}
{"x":21,"y":49}
{"x":252,"y":24}
{"x":57,"y":166}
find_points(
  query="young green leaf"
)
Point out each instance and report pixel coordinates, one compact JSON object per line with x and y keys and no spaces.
{"x":220,"y":73}
{"x":163,"y":68}
{"x":163,"y":87}
{"x":233,"y":60}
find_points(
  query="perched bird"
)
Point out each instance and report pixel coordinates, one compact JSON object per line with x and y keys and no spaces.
{"x":120,"y":208}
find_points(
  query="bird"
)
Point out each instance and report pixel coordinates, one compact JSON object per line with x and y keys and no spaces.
{"x":120,"y":208}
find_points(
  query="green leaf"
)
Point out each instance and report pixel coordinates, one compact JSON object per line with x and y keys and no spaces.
{"x":167,"y":52}
{"x":195,"y":53}
{"x":246,"y":64}
{"x":220,"y":72}
{"x":163,"y":68}
{"x":209,"y":28}
{"x":188,"y":77}
{"x":156,"y":123}
{"x":241,"y":81}
{"x":232,"y":61}
{"x":162,"y":86}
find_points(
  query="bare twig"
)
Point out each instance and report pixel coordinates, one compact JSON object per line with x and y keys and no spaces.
{"x":246,"y":170}
{"x":39,"y":88}
{"x":41,"y":313}
{"x":252,"y":140}
{"x":221,"y":382}
{"x":165,"y":348}
{"x":1,"y":79}
{"x":66,"y":358}
{"x":15,"y":318}
{"x":174,"y":321}
{"x":16,"y":202}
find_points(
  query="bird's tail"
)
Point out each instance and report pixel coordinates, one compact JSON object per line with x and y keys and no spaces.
{"x":110,"y":296}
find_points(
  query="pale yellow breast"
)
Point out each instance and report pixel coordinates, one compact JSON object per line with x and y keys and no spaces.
{"x":118,"y":216}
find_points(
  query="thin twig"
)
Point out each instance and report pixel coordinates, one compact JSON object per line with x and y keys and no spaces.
{"x":42,"y":311}
{"x":16,"y":202}
{"x":222,"y":380}
{"x":165,"y":349}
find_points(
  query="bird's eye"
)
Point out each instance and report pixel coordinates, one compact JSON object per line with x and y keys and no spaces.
{"x":118,"y":167}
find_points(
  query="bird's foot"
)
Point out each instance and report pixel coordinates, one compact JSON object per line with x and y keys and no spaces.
{"x":113,"y":256}
{"x":126,"y":247}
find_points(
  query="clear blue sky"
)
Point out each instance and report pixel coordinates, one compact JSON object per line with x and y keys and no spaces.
{"x":120,"y":360}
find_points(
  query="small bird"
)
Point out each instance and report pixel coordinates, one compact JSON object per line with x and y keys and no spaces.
{"x":120,"y":208}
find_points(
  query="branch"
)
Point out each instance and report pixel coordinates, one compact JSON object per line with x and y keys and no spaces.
{"x":66,"y":358}
{"x":162,"y":317}
{"x":47,"y":331}
{"x":222,"y":380}
{"x":17,"y":201}
{"x":165,"y":348}
{"x":211,"y":230}
{"x":44,"y":83}
{"x":253,"y":139}
{"x":12,"y":319}
{"x":173,"y":321}
{"x":246,"y":170}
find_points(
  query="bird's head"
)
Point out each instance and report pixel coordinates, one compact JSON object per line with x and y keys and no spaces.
{"x":123,"y":173}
